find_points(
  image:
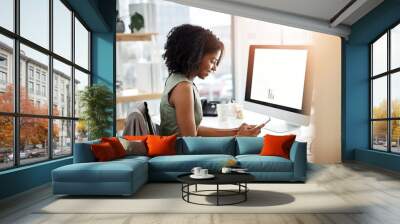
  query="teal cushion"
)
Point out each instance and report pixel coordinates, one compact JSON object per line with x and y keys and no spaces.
{"x":83,"y":152}
{"x":249,"y":145}
{"x":257,"y":163}
{"x":185,"y":163}
{"x":207,"y":145}
{"x":111,"y":171}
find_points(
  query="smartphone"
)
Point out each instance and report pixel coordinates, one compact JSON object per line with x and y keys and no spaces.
{"x":263,"y":124}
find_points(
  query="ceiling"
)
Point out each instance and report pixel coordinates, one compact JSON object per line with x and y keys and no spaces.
{"x":326,"y":16}
{"x":318,"y":9}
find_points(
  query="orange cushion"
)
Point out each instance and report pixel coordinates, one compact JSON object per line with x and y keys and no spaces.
{"x":161,"y":145}
{"x":277,"y":145}
{"x":116,"y":145}
{"x":103,"y":152}
{"x":135,"y":138}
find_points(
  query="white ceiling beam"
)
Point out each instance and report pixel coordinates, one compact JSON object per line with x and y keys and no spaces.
{"x":268,"y":15}
{"x":348,"y":12}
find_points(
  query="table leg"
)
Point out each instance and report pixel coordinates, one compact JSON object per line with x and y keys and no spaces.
{"x":196,"y":188}
{"x":245,"y":193}
{"x":217,"y":194}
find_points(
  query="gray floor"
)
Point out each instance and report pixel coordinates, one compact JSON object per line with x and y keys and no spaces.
{"x":378,"y":188}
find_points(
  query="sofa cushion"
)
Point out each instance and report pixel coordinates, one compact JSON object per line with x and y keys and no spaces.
{"x":103,"y":152}
{"x":111,"y":171}
{"x":249,"y":145}
{"x":83,"y":152}
{"x":185,"y":163}
{"x":207,"y":145}
{"x":116,"y":145}
{"x":161,"y":145}
{"x":277,"y":145}
{"x":257,"y":163}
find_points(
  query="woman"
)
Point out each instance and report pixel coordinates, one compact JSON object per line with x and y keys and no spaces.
{"x":190,"y":52}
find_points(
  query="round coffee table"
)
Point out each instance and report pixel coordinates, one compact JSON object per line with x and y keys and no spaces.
{"x":238,"y":179}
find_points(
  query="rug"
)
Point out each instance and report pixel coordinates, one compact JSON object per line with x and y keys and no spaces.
{"x":166,"y":198}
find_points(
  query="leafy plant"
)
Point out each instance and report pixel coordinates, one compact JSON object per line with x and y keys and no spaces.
{"x":137,"y":22}
{"x":96,"y":102}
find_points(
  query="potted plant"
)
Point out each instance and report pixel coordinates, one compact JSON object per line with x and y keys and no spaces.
{"x":96,"y":102}
{"x":137,"y":22}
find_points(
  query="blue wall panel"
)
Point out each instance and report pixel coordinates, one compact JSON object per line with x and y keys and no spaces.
{"x":103,"y":63}
{"x":24,"y":178}
{"x":355,"y":117}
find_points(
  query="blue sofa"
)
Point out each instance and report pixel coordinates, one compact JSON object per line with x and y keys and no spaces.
{"x":125,"y":176}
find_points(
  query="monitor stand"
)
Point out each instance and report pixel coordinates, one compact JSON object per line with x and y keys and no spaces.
{"x":280,"y":126}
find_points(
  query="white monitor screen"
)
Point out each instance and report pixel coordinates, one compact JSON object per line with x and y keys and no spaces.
{"x":277,"y":77}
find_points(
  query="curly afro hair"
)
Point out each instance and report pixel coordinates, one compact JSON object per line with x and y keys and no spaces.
{"x":185,"y":47}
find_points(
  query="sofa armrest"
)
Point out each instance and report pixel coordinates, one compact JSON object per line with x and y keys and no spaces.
{"x":298,"y":155}
{"x":83,"y":152}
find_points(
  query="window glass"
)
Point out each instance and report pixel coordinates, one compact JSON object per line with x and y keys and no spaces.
{"x":62,"y":29}
{"x":39,"y":61}
{"x":33,"y":139}
{"x":6,"y":142}
{"x":62,"y":138}
{"x":395,"y":138}
{"x":217,"y":85}
{"x":81,"y":81}
{"x":379,"y":97}
{"x":6,"y":74}
{"x":379,"y":135}
{"x":395,"y":47}
{"x":395,"y":95}
{"x":379,"y":56}
{"x":81,"y":131}
{"x":7,"y":14}
{"x":62,"y":89}
{"x":81,"y":45}
{"x":34,"y":21}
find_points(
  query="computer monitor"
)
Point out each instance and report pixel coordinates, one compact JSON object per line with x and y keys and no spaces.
{"x":276,"y":77}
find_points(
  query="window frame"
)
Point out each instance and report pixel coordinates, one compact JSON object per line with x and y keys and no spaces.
{"x":388,"y":74}
{"x":16,"y":114}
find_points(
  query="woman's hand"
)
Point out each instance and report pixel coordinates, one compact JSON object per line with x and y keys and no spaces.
{"x":249,"y":130}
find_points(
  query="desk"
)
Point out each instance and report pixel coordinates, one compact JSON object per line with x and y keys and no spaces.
{"x":250,"y":117}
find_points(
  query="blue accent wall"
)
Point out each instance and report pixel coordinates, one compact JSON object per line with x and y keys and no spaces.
{"x":99,"y":16}
{"x":355,"y":117}
{"x":103,"y":70}
{"x":24,"y":178}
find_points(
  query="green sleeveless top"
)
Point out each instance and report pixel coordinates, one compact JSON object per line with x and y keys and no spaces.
{"x":168,"y":124}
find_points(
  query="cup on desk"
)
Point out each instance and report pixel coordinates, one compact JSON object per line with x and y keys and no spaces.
{"x":203,"y":172}
{"x":197,"y":170}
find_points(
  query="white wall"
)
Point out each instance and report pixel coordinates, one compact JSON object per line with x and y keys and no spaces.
{"x":322,"y":98}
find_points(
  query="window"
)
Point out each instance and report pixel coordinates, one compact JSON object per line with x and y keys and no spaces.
{"x":385,"y":92}
{"x":35,"y":22}
{"x":38,"y":89}
{"x":30,"y":72}
{"x":45,"y":131}
{"x":62,"y":29}
{"x":3,"y":78}
{"x":62,"y":74}
{"x":3,"y":72}
{"x":7,"y":14}
{"x":81,"y":45}
{"x":3,"y":61}
{"x":43,"y":90}
{"x":30,"y":88}
{"x":37,"y":74}
{"x":7,"y":88}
